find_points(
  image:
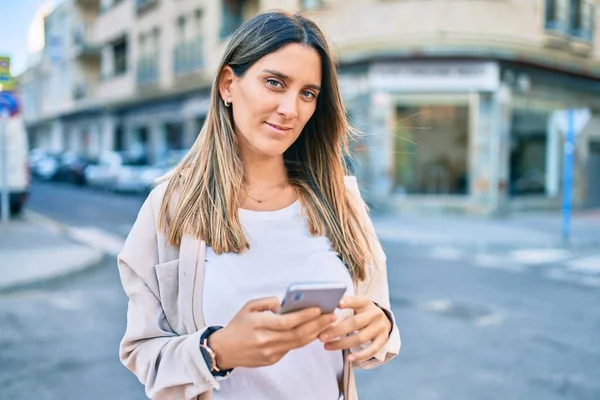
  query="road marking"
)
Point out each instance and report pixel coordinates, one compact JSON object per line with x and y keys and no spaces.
{"x":562,"y":275}
{"x":497,"y":262}
{"x":447,"y":253}
{"x":539,"y":256}
{"x":588,"y":265}
{"x":93,"y":237}
{"x":487,"y":320}
{"x":439,"y":305}
{"x":97,"y":238}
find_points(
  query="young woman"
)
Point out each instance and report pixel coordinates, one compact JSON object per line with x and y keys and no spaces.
{"x":259,"y":202}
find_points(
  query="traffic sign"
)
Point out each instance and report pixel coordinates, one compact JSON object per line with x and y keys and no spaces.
{"x":9,"y":103}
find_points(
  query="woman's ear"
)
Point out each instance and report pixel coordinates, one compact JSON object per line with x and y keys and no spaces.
{"x":226,"y":79}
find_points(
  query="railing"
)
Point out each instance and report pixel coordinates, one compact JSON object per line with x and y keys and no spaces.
{"x":189,"y":56}
{"x":82,"y":43}
{"x":147,"y":70}
{"x":80,"y":91}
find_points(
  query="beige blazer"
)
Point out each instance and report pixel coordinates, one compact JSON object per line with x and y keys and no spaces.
{"x":164,"y":317}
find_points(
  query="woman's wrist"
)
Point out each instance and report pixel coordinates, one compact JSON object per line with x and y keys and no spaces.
{"x":217,"y":343}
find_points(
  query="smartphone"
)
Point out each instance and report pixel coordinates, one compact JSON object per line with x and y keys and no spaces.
{"x":325,"y":295}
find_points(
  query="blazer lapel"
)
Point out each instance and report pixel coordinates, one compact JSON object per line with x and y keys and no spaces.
{"x":190,"y":252}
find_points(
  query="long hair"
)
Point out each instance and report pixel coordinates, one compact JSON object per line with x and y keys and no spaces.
{"x":203,"y":194}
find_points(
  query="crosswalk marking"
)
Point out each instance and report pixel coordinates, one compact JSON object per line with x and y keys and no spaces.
{"x":539,"y":256}
{"x":587,"y":265}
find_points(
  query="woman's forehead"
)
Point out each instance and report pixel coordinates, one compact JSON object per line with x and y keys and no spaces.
{"x":295,"y":62}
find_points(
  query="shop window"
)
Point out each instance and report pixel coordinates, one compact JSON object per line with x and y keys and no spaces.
{"x":528,"y":153}
{"x":174,"y":136}
{"x":431,"y":150}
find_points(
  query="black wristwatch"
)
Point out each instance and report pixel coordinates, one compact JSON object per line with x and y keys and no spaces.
{"x":209,"y":355}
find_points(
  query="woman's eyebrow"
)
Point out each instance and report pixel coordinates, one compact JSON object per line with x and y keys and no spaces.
{"x":287,"y":78}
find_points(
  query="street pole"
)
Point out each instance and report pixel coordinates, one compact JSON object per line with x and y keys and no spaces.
{"x":4,"y":204}
{"x":568,"y":176}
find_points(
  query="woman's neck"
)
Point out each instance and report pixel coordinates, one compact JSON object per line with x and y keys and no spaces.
{"x":264,"y":171}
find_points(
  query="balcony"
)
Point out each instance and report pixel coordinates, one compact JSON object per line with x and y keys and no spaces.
{"x":142,"y":6}
{"x":189,"y":56}
{"x":83,"y":46}
{"x":147,"y":72}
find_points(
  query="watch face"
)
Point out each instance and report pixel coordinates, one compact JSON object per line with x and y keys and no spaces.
{"x":207,"y":358}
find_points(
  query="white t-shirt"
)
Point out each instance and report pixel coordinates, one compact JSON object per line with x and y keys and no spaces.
{"x":281,"y":252}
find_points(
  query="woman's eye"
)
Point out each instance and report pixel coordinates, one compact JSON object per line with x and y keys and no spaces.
{"x":274,"y":83}
{"x":308,"y":94}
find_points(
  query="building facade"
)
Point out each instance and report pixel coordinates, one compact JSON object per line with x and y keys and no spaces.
{"x":459,"y":102}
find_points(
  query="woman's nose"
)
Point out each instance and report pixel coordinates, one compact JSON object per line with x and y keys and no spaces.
{"x":288,"y":107}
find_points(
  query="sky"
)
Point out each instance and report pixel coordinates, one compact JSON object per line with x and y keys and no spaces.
{"x":15,"y":19}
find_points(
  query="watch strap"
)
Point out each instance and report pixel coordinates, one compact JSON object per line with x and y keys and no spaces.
{"x":209,"y":355}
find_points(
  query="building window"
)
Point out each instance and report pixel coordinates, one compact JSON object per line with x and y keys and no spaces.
{"x":582,"y":19}
{"x":309,"y":5}
{"x":147,"y":68}
{"x":120,"y":57}
{"x":189,"y":50}
{"x":431,"y":149}
{"x":234,"y":12}
{"x":557,"y":15}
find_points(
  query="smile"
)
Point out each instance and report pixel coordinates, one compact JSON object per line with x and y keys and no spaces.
{"x":280,"y":130}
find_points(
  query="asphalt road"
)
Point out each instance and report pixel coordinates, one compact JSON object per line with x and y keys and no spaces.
{"x":468,"y":332}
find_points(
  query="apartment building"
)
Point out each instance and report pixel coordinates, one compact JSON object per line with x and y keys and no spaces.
{"x":457,"y":100}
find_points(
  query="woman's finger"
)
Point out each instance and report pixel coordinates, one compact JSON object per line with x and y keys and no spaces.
{"x":355,"y":302}
{"x":346,"y":326}
{"x":365,"y":335}
{"x":370,"y":351}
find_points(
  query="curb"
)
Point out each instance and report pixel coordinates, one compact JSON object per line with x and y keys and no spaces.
{"x":96,"y":257}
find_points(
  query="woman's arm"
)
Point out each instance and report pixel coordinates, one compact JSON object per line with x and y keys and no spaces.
{"x":376,"y":285}
{"x":170,"y":366}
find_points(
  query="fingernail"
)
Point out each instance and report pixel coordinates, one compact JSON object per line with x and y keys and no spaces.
{"x":350,"y":358}
{"x":323,"y":338}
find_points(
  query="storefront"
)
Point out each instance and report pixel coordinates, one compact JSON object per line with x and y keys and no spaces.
{"x":466,"y":136}
{"x":427,"y":131}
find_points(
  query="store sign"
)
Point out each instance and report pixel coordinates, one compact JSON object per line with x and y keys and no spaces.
{"x":7,"y":82}
{"x":435,"y":76}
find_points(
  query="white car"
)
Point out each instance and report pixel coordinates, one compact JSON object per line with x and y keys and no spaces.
{"x":116,"y":171}
{"x":17,"y":162}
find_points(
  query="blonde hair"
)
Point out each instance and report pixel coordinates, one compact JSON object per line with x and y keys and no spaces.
{"x":202,"y":197}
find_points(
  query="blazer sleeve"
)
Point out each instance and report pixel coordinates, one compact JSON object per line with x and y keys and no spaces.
{"x":170,"y":366}
{"x":376,"y":285}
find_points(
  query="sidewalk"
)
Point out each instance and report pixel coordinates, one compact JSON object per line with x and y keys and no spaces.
{"x":31,"y":253}
{"x":518,"y":231}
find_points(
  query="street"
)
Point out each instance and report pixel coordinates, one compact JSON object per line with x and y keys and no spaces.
{"x":471,"y":330}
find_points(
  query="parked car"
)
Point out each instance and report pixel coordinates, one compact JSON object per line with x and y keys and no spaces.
{"x":151,"y":174}
{"x":17,"y":164}
{"x":72,"y":168}
{"x":44,"y":164}
{"x":113,"y":170}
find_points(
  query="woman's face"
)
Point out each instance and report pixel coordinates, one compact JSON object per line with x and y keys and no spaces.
{"x":274,"y":100}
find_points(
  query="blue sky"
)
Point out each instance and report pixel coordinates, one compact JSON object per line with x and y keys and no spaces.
{"x":15,"y":17}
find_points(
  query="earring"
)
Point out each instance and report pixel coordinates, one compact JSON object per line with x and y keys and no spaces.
{"x":227,"y":104}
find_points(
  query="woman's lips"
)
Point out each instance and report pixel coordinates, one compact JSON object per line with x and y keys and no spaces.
{"x":278,"y":129}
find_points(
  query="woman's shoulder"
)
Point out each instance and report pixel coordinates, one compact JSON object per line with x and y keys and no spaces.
{"x":351,"y":182}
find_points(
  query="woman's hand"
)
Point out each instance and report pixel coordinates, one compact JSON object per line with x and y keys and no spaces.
{"x":368,"y":324}
{"x":256,"y":336}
